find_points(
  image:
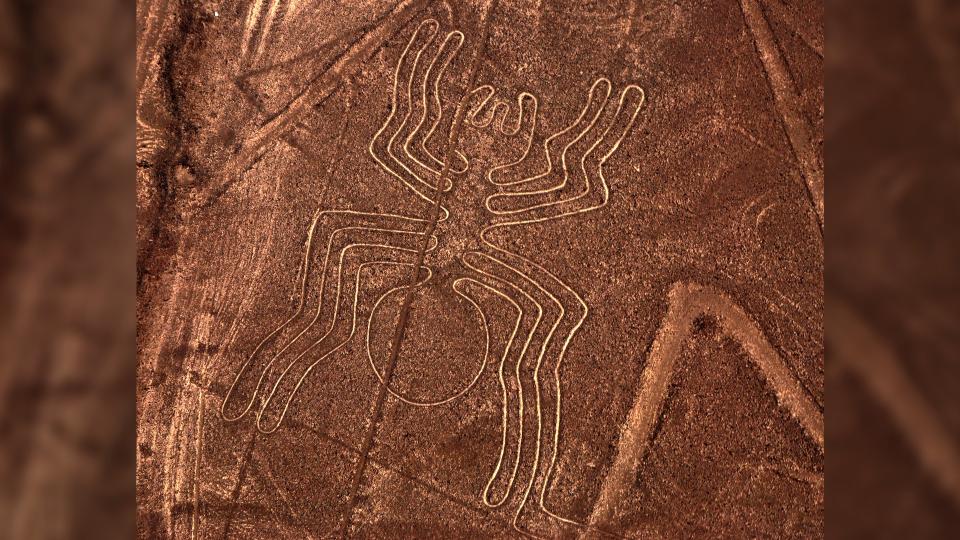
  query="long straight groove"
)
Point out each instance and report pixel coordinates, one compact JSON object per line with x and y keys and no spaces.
{"x":787,"y":102}
{"x":421,"y":254}
{"x":372,"y":37}
{"x":686,"y":302}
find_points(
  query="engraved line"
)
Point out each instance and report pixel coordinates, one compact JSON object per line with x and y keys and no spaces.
{"x":249,"y":27}
{"x":788,"y":103}
{"x":455,"y":395}
{"x":568,"y":292}
{"x":341,"y":344}
{"x":156,"y":12}
{"x":687,"y":302}
{"x":810,"y":39}
{"x":319,"y":89}
{"x":452,"y":141}
{"x":299,"y":310}
{"x":520,"y":400}
{"x":431,"y":25}
{"x":555,"y":206}
{"x":409,"y":104}
{"x":269,"y":23}
{"x":437,"y":164}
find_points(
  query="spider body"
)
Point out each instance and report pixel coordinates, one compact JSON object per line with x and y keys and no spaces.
{"x":453,"y":254}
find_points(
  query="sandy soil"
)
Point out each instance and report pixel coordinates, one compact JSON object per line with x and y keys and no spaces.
{"x":440,"y":270}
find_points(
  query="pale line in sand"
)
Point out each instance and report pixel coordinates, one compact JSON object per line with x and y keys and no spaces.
{"x":319,"y":88}
{"x":485,"y":495}
{"x":171,"y":481}
{"x":195,"y":519}
{"x":525,"y":211}
{"x":267,"y":27}
{"x":409,"y":103}
{"x":253,"y":17}
{"x":316,"y":318}
{"x":547,"y":282}
{"x":155,"y":15}
{"x":305,"y":267}
{"x":419,"y":186}
{"x":528,"y":216}
{"x":780,"y":10}
{"x":524,"y":113}
{"x":567,"y":292}
{"x":529,"y":280}
{"x":231,"y":333}
{"x":337,"y":347}
{"x":687,"y":302}
{"x":546,"y":148}
{"x":787,"y":101}
{"x":304,"y":272}
{"x":437,"y":163}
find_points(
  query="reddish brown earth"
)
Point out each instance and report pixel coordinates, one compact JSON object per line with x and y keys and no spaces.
{"x":665,"y":276}
{"x":893,"y":307}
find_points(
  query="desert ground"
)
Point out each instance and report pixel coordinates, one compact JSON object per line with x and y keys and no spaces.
{"x":480,"y":269}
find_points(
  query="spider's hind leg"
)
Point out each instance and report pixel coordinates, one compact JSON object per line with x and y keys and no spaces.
{"x":374,"y":249}
{"x":327,"y":235}
{"x":560,"y":312}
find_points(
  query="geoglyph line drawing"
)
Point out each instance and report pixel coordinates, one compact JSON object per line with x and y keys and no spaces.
{"x":260,"y":23}
{"x":548,"y":311}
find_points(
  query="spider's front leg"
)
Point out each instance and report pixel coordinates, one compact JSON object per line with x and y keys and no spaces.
{"x":397,"y":145}
{"x":573,"y":181}
{"x":330,"y":235}
{"x":432,"y":110}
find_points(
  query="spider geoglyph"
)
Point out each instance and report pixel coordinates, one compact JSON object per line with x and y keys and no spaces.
{"x":462,"y":255}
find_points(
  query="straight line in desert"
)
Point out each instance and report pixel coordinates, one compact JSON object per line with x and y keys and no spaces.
{"x":376,"y":33}
{"x":153,"y":13}
{"x":687,"y":301}
{"x":398,"y":336}
{"x":784,"y":13}
{"x":787,"y":101}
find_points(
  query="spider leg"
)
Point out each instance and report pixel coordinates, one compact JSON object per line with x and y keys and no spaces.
{"x":348,"y":273}
{"x":528,"y":317}
{"x":559,"y":315}
{"x":415,"y":143}
{"x":329,"y":232}
{"x":388,"y":145}
{"x":574,"y":181}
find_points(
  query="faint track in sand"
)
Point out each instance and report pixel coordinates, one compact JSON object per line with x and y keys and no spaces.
{"x":865,"y":354}
{"x":687,"y":302}
{"x":788,"y":103}
{"x":371,"y":38}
